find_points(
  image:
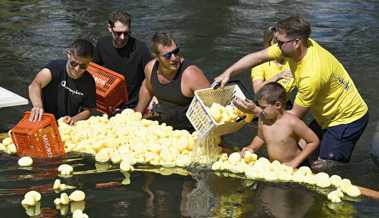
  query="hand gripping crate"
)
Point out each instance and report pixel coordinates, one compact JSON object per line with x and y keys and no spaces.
{"x":37,"y":139}
{"x":111,"y":90}
{"x":200,"y":118}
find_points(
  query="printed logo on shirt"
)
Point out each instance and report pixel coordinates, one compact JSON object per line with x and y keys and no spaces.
{"x":75,"y":92}
{"x":344,"y":83}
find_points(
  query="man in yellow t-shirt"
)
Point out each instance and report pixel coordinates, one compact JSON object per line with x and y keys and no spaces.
{"x":324,"y":88}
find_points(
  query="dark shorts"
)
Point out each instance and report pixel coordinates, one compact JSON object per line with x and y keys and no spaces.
{"x":337,"y":142}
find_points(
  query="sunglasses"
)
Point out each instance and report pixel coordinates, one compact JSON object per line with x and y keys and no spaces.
{"x":168,"y":55}
{"x":118,"y":34}
{"x":81,"y":66}
{"x":280,"y":43}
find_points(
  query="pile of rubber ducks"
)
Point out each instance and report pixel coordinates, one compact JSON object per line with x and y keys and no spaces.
{"x":261,"y":168}
{"x":127,"y":136}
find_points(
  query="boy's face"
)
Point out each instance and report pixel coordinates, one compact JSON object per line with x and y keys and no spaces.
{"x":270,"y":111}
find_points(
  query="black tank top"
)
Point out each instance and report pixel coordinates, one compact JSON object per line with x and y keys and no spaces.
{"x":173,"y":104}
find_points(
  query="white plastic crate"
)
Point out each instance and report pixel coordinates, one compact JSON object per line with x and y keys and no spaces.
{"x":200,"y":118}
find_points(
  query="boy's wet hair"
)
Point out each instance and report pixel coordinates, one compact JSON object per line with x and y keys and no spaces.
{"x":294,"y":27}
{"x":82,"y":48}
{"x":121,"y":16}
{"x":272,"y":92}
{"x":160,"y":38}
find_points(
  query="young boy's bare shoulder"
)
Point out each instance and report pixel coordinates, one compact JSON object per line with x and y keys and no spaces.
{"x":291,"y":118}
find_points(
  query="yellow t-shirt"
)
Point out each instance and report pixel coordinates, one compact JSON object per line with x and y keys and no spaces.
{"x":324,"y":86}
{"x":269,"y":69}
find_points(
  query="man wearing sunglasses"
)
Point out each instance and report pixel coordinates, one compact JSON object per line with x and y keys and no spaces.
{"x":64,"y":87}
{"x":324,"y":88}
{"x":124,"y":54}
{"x":173,"y":80}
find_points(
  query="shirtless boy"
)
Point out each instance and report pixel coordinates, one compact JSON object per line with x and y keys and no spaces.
{"x":280,"y":131}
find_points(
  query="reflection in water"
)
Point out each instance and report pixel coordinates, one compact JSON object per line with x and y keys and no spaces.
{"x":200,"y":199}
{"x":154,"y":195}
{"x":48,"y":213}
{"x":160,"y":197}
{"x":150,"y":195}
{"x":63,"y":210}
{"x":343,"y":210}
{"x":33,"y":210}
{"x":285,"y":203}
{"x":77,"y":205}
{"x":121,"y":209}
{"x":234,"y":197}
{"x":188,"y":187}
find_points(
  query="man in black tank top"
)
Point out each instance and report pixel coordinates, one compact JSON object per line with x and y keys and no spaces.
{"x":64,"y":87}
{"x":172,"y":80}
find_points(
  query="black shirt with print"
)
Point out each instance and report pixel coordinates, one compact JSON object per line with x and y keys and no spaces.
{"x":66,"y":96}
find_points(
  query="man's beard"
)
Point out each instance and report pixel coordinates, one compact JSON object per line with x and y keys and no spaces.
{"x":285,"y":54}
{"x":119,"y":43}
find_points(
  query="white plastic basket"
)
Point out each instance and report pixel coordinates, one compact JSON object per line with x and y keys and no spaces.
{"x":200,"y":118}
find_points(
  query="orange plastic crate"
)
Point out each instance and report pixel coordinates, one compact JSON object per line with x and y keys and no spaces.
{"x":38,"y":139}
{"x":111,"y":90}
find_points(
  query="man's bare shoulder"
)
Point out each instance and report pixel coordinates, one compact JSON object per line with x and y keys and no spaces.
{"x":192,"y":71}
{"x":149,"y":67}
{"x":195,"y":77}
{"x":151,"y":63}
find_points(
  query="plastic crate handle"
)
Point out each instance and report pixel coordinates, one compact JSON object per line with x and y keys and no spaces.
{"x":237,"y":82}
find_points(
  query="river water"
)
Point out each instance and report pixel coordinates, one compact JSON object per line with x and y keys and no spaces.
{"x":213,"y":34}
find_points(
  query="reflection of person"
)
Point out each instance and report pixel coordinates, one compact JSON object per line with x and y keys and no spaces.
{"x":279,"y":130}
{"x":159,"y":197}
{"x":280,"y":202}
{"x":173,"y":80}
{"x":150,"y":195}
{"x":324,"y":87}
{"x":199,"y":199}
{"x":124,"y":54}
{"x":188,"y":187}
{"x":272,"y":71}
{"x":64,"y":87}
